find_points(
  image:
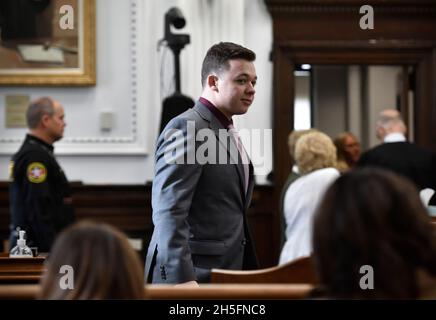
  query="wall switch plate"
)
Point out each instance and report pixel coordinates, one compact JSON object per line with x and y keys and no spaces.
{"x":106,"y":120}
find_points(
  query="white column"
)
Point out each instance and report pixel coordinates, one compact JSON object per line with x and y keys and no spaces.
{"x":208,"y":22}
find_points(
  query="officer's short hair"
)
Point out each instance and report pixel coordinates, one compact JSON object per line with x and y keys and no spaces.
{"x":37,"y":109}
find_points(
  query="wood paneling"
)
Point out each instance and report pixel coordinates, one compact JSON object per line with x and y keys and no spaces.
{"x":21,"y":270}
{"x":210,"y":291}
{"x":328,"y":32}
{"x":297,"y":271}
{"x":128,"y":207}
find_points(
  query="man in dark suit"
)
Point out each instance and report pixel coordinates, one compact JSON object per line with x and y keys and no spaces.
{"x":203,"y":179}
{"x":399,"y":155}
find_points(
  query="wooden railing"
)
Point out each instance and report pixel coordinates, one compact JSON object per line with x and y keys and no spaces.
{"x":165,"y":292}
{"x":296,"y":271}
{"x":21,"y":270}
{"x":128,"y":207}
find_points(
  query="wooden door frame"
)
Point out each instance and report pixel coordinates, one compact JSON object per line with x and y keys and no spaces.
{"x":286,"y":54}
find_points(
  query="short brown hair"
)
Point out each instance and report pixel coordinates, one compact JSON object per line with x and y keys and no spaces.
{"x":217,"y":57}
{"x":37,"y":109}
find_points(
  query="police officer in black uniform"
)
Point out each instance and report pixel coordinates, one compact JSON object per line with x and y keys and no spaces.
{"x":40,"y":195}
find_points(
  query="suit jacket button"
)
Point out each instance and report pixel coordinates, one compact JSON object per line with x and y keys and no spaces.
{"x":244,"y":242}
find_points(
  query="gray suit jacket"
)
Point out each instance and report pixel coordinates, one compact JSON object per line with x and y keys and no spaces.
{"x":198,"y":208}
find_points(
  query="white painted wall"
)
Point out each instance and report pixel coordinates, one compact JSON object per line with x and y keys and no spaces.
{"x":302,"y":102}
{"x":330,"y":98}
{"x":258,"y":36}
{"x":128,"y":85}
{"x":382,"y":91}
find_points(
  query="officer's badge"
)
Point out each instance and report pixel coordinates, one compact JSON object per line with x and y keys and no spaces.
{"x":36,"y":172}
{"x":11,"y":171}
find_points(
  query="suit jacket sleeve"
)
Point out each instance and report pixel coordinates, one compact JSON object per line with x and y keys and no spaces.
{"x":174,"y":186}
{"x":363,"y":160}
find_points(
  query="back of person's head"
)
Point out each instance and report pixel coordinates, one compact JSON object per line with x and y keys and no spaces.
{"x":105,"y":265}
{"x":293,"y":138}
{"x":389,"y":121}
{"x":371,"y":217}
{"x":217,"y":57}
{"x":313,"y":151}
{"x":37,"y":109}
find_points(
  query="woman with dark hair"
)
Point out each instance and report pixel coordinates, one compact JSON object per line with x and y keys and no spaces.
{"x":370,"y":217}
{"x":104,"y":265}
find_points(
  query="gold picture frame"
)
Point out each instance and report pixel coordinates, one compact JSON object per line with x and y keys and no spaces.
{"x":61,"y":59}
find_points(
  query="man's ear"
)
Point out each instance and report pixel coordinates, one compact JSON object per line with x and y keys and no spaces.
{"x":380,"y":132}
{"x":44,"y":120}
{"x":212,"y":82}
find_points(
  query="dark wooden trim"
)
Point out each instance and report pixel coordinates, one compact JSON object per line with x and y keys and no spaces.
{"x":328,"y":32}
{"x":287,"y":6}
{"x":128,"y":207}
{"x":371,"y":44}
{"x":283,"y":119}
{"x":297,"y":271}
{"x":210,"y":291}
{"x":425,"y":113}
{"x":335,"y":3}
{"x":282,"y":124}
{"x":424,"y":58}
{"x":21,"y":270}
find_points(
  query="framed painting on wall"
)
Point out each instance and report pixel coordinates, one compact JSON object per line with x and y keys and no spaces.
{"x":47,"y":43}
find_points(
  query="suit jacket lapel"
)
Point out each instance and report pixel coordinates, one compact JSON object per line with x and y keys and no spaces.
{"x":250,"y":186}
{"x":215,"y":125}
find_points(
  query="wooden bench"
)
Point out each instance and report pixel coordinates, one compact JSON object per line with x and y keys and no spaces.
{"x":128,"y":207}
{"x":297,"y":271}
{"x":204,"y":292}
{"x":29,"y":270}
{"x":230,"y":291}
{"x":21,"y":270}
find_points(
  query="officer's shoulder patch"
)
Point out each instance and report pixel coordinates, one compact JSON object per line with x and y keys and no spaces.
{"x":11,"y":171}
{"x":36,"y":172}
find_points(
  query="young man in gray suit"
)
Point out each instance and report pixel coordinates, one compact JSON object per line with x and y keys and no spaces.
{"x":203,"y":178}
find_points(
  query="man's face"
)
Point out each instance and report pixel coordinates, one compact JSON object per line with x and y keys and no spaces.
{"x":56,"y":124}
{"x":236,"y":87}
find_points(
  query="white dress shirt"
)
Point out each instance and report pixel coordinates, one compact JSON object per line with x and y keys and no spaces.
{"x":394,"y":137}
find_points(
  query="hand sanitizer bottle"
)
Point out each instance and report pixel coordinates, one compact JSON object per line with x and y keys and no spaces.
{"x":21,"y":250}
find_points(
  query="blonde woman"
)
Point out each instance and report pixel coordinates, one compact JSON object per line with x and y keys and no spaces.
{"x":315,"y":155}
